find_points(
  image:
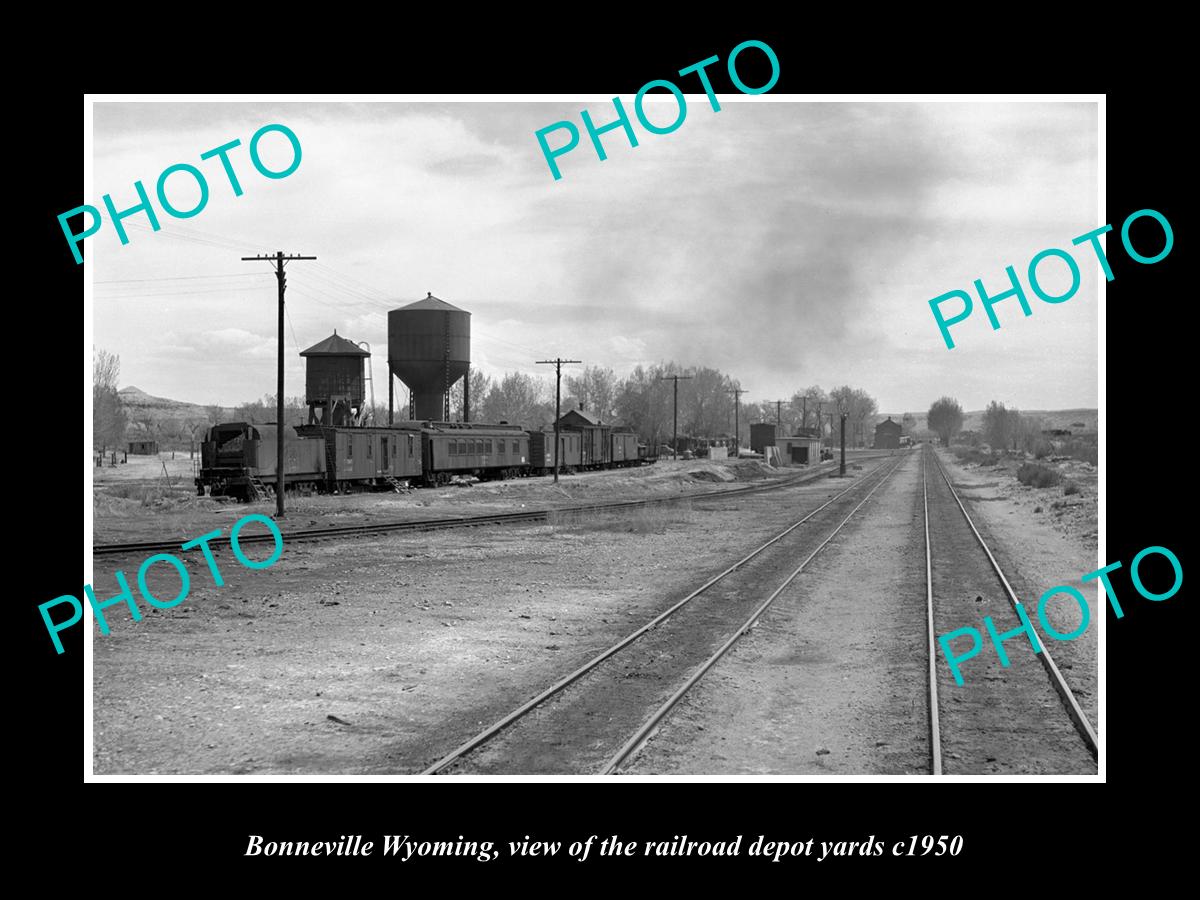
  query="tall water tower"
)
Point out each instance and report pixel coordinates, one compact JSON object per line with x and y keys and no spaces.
{"x":429,"y":349}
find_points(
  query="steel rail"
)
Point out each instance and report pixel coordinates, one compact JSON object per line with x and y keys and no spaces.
{"x":498,"y":726}
{"x":1074,"y":710}
{"x":643,"y":734}
{"x":333,"y":531}
{"x":935,"y":732}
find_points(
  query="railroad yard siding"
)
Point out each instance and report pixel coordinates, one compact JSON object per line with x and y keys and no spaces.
{"x":1037,"y":552}
{"x":1001,"y":720}
{"x":412,"y":641}
{"x":833,"y":678}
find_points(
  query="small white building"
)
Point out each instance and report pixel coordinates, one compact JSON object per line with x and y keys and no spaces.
{"x":798,"y":450}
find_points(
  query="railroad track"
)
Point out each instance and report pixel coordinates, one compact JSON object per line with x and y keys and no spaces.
{"x":998,"y":716}
{"x":590,"y":710}
{"x":341,"y":531}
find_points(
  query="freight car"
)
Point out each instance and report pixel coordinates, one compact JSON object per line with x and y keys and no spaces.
{"x":365,"y":456}
{"x":541,"y":450}
{"x":238,"y":458}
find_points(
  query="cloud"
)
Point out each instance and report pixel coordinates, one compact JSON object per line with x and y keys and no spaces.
{"x":785,"y":243}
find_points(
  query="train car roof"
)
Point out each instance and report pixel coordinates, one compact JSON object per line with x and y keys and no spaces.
{"x":453,"y":428}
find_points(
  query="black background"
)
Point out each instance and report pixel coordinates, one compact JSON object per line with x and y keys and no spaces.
{"x":206,"y":828}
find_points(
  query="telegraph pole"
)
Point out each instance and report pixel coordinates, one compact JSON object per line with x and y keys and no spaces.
{"x":279,"y":259}
{"x":842,"y":469}
{"x":675,"y":417}
{"x":737,"y":438}
{"x":558,"y":364}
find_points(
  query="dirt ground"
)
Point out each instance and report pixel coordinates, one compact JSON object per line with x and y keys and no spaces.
{"x":831,"y":680}
{"x":1074,"y":516}
{"x":380,"y":653}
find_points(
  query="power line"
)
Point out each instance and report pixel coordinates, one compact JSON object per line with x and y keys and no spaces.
{"x":737,"y":436}
{"x":280,"y":260}
{"x":181,"y":278}
{"x":675,"y":426}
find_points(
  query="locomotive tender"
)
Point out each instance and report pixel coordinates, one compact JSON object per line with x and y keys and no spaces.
{"x":238,"y":458}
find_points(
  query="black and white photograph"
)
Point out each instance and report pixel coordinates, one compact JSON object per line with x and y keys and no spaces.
{"x":733,"y":435}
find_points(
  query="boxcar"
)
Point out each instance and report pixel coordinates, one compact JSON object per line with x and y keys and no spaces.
{"x":595,"y":450}
{"x":624,"y":448}
{"x":485,"y":451}
{"x":368,"y":456}
{"x":541,"y":450}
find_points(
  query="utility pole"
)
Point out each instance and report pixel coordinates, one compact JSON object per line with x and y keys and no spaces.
{"x":737,"y":438}
{"x":675,"y":417}
{"x":558,"y":364}
{"x":779,"y":414}
{"x":842,"y":469}
{"x":279,"y":259}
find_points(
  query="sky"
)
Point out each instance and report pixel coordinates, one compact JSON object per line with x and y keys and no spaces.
{"x":785,"y":243}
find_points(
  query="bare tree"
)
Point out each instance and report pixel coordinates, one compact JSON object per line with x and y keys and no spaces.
{"x":108,"y":413}
{"x":516,"y":398}
{"x":594,"y":390}
{"x":479,"y":387}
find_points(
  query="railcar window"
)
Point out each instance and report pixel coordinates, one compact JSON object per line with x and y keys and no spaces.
{"x":487,"y":446}
{"x":516,"y":447}
{"x":454,"y":448}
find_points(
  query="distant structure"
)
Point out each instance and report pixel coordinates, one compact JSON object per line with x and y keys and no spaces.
{"x":143,"y":448}
{"x":429,"y":349}
{"x":762,"y":434}
{"x":578,"y":418}
{"x":887,"y":435}
{"x":799,"y":449}
{"x":333,"y":382}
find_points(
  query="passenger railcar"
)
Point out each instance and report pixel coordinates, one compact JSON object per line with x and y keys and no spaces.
{"x":484,"y":451}
{"x":238,"y":458}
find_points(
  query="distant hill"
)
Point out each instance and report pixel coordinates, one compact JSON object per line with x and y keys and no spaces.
{"x":162,"y":419}
{"x":1068,"y":419}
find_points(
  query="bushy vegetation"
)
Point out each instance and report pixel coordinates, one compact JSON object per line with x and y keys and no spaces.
{"x":945,"y":417}
{"x":1038,"y":476}
{"x":974,"y":455}
{"x":1082,"y":448}
{"x":1070,"y":488}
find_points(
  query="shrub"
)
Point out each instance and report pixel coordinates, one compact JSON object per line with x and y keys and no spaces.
{"x":1070,"y":488}
{"x":972,"y":455}
{"x":1038,"y":476}
{"x":1082,"y":448}
{"x":1042,"y":450}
